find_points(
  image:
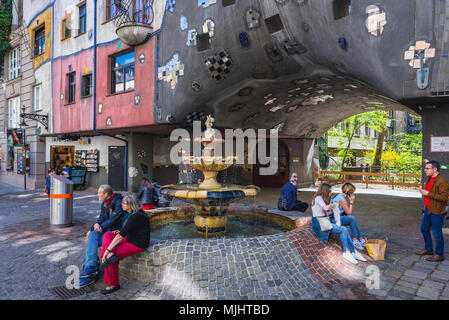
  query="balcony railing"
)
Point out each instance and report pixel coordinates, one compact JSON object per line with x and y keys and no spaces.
{"x":133,"y":20}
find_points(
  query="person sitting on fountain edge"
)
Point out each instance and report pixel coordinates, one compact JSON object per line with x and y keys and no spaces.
{"x":290,"y":192}
{"x":111,"y":217}
{"x":147,"y":195}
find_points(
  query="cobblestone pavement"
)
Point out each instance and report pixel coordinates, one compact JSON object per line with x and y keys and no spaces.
{"x":35,"y":258}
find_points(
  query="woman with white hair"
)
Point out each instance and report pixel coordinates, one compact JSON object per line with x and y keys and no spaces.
{"x":133,"y":237}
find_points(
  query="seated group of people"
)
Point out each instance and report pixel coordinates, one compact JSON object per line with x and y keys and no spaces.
{"x":122,"y":229}
{"x":323,"y":208}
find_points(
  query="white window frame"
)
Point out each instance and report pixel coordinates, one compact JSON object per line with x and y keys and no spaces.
{"x":37,"y":97}
{"x":14,"y":63}
{"x":14,"y":112}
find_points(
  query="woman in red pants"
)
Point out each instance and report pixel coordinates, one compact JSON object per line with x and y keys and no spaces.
{"x":133,"y":237}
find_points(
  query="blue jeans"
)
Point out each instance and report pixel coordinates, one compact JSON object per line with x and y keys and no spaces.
{"x":345,"y":238}
{"x":434,"y":221}
{"x":94,"y":241}
{"x":348,"y":221}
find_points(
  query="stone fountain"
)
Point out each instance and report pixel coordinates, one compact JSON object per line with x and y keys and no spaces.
{"x":210,"y":198}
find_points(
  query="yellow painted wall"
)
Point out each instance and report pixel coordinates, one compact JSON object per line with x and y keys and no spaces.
{"x":44,"y":18}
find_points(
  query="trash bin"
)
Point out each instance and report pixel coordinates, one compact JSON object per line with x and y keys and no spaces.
{"x":61,"y":202}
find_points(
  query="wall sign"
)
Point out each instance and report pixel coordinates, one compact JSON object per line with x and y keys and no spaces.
{"x":439,"y":144}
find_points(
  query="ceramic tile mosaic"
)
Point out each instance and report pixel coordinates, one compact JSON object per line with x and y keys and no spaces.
{"x":183,"y":23}
{"x":218,"y":65}
{"x":206,"y":3}
{"x":171,"y":5}
{"x":171,"y":71}
{"x":413,"y":51}
{"x":376,"y":20}
{"x":191,"y":37}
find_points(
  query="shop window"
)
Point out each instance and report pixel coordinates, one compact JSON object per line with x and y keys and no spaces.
{"x":39,"y":41}
{"x":66,"y":28}
{"x":122,"y":72}
{"x":86,"y":85}
{"x":342,"y":8}
{"x":37,"y":99}
{"x":82,"y":18}
{"x":14,"y":63}
{"x":274,"y":23}
{"x":61,"y":157}
{"x":71,"y":80}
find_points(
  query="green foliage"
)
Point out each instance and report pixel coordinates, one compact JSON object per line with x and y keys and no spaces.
{"x":409,"y":147}
{"x":5,"y":29}
{"x":376,"y":120}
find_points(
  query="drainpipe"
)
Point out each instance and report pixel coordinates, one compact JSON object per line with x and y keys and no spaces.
{"x":95,"y":98}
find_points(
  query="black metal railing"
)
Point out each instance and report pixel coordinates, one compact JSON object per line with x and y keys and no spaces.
{"x":132,"y":12}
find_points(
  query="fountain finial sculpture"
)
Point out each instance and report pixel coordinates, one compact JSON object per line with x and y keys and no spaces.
{"x":210,"y":198}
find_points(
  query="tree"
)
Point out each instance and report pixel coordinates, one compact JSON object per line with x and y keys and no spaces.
{"x":5,"y":29}
{"x":376,"y":120}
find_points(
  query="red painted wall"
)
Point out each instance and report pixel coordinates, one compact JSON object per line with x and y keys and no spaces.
{"x":120,"y":107}
{"x":76,"y":117}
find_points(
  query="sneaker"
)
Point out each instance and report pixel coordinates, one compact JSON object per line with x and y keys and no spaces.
{"x":89,"y":272}
{"x":348,"y":256}
{"x":358,"y":256}
{"x":86,"y":281}
{"x":358,"y":245}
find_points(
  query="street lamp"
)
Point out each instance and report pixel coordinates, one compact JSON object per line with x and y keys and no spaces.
{"x":42,"y":119}
{"x":23,"y":129}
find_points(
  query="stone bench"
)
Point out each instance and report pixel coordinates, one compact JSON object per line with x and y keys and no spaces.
{"x":301,"y":218}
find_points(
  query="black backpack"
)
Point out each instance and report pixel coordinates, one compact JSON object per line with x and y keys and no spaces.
{"x":282,"y":203}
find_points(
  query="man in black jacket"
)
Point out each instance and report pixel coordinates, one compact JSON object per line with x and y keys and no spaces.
{"x":110,"y":218}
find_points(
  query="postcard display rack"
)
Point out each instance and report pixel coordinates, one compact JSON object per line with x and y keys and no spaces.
{"x":88,"y":159}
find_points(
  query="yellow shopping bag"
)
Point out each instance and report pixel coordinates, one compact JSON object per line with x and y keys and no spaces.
{"x":376,"y":248}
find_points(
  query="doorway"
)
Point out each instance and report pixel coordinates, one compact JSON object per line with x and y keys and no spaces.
{"x":281,"y":176}
{"x":61,"y":156}
{"x":116,"y":164}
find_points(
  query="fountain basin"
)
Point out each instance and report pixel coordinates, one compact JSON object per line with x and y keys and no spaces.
{"x":211,"y":205}
{"x":178,"y":223}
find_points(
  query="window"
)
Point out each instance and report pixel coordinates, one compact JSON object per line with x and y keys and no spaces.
{"x":86,"y":85}
{"x":342,"y":8}
{"x":110,"y":9}
{"x":66,"y":30}
{"x":14,"y":63}
{"x":71,"y":77}
{"x":39,"y":41}
{"x":227,"y":2}
{"x":390,"y":133}
{"x":14,"y":112}
{"x":367,"y":132}
{"x":37,"y":97}
{"x":122,"y":72}
{"x":391,"y":114}
{"x":142,"y":11}
{"x":82,"y":19}
{"x":203,"y":41}
{"x":274,"y":23}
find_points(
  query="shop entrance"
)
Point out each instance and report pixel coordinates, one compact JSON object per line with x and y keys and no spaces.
{"x":61,"y":156}
{"x":116,"y":162}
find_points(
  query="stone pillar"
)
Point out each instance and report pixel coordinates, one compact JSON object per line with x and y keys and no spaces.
{"x":435,"y":121}
{"x":301,"y":155}
{"x":140,"y":158}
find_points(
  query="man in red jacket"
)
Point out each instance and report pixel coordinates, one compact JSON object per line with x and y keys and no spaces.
{"x":435,"y":195}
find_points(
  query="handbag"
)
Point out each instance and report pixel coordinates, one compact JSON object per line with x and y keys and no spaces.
{"x":325,"y":223}
{"x":282,"y":203}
